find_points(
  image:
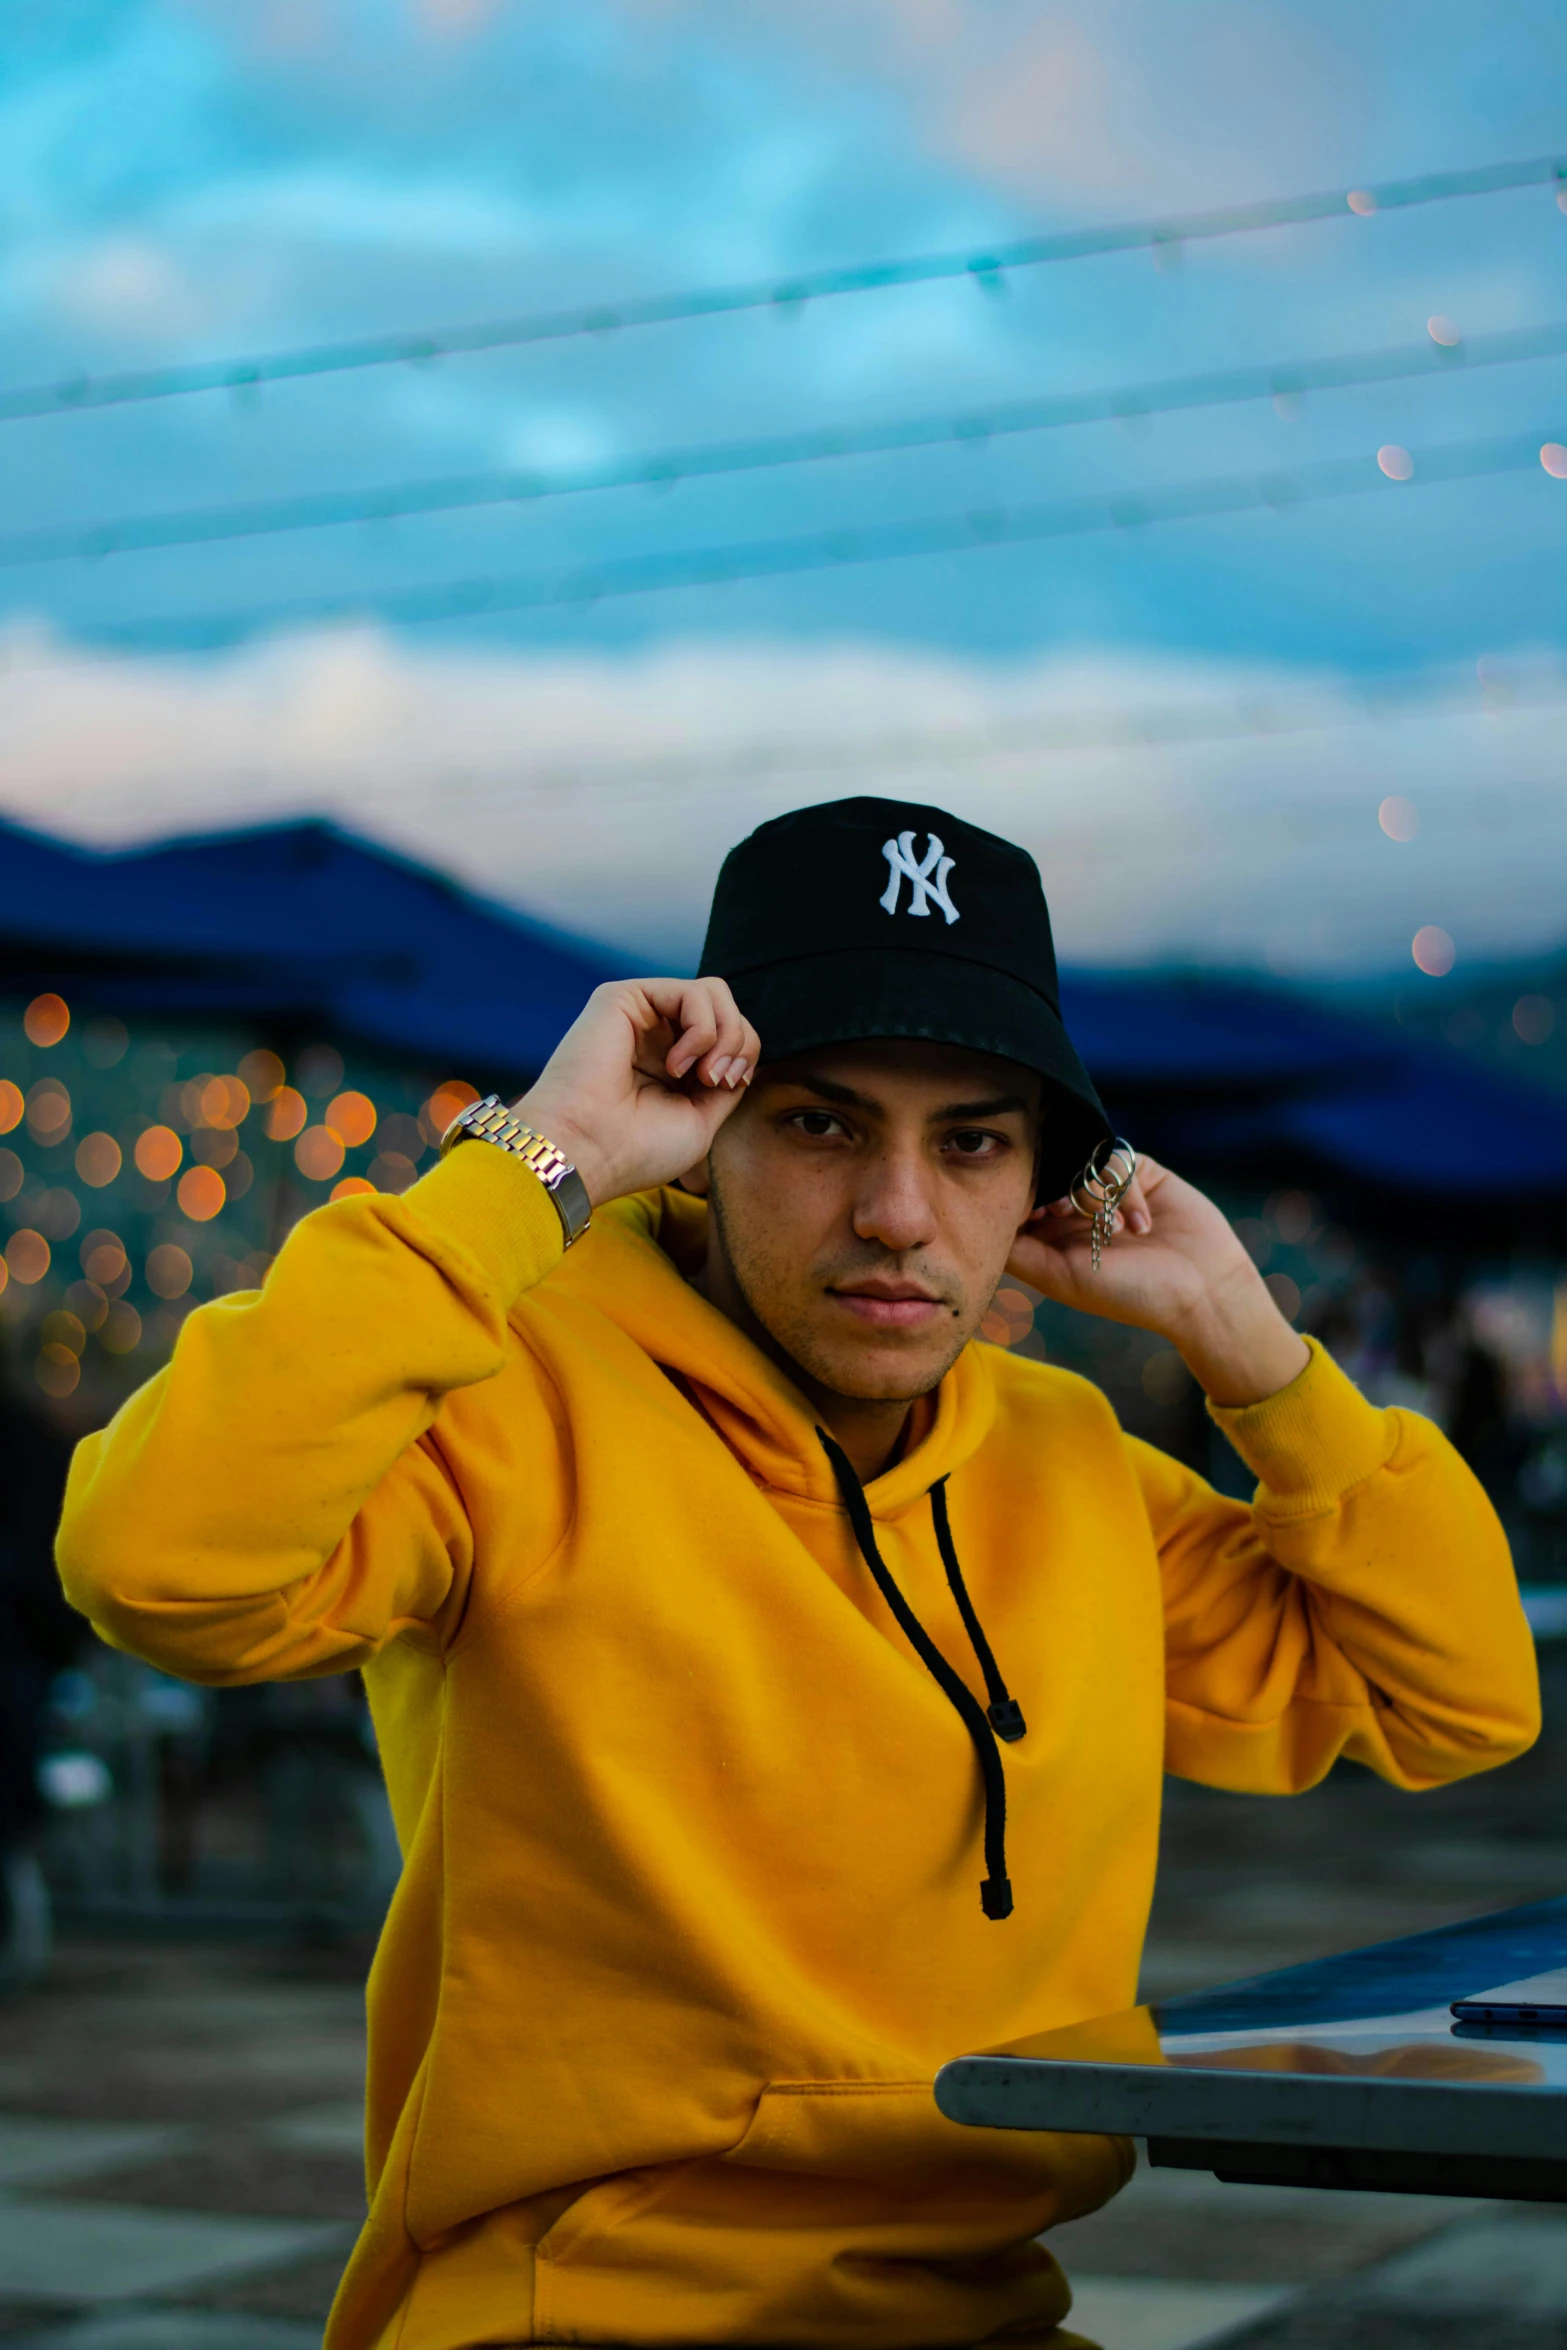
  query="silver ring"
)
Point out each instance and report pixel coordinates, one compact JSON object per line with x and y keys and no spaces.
{"x":1105,"y":1189}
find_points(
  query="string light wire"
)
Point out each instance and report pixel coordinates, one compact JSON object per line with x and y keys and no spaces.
{"x":662,"y":469}
{"x":580,"y":586}
{"x":986,"y":266}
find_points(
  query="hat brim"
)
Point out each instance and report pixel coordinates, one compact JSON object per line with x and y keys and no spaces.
{"x":856,"y":995}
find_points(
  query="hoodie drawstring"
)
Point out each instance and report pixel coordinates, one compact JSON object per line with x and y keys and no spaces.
{"x":1003,"y":1718}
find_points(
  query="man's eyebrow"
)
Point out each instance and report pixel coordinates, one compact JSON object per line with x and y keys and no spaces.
{"x":996,"y":1107}
{"x":827,"y":1089}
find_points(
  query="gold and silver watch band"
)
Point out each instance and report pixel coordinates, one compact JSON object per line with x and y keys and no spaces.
{"x":490,"y":1121}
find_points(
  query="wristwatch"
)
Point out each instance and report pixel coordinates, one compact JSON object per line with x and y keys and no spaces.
{"x":490,"y":1121}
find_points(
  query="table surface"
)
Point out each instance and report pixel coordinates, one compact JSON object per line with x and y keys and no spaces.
{"x":1356,"y":2052}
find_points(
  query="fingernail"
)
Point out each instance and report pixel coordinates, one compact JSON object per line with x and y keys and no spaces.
{"x":715,"y":1069}
{"x":679,"y":1068}
{"x":1141,"y":1220}
{"x":736,"y":1074}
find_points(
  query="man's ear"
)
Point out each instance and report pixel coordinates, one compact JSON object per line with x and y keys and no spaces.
{"x":694,"y":1180}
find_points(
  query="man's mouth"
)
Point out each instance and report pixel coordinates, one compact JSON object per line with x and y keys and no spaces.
{"x":886,"y":1303}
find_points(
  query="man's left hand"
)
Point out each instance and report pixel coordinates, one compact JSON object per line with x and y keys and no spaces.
{"x":1174,"y":1265}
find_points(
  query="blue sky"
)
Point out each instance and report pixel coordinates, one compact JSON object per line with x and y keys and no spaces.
{"x":183,"y":179}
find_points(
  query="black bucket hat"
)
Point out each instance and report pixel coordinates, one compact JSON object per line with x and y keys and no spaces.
{"x":868,"y":918}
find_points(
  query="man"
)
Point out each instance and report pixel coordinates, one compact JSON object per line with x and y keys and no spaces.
{"x":773,"y":1684}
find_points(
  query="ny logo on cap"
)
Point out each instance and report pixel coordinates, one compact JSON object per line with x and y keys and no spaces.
{"x":903,"y":865}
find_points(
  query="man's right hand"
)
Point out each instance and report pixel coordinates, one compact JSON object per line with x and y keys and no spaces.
{"x":641,"y":1082}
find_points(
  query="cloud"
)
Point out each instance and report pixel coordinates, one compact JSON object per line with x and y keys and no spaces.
{"x":1203,"y":811}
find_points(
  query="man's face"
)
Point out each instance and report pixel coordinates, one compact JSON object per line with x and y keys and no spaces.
{"x":865,"y":1199}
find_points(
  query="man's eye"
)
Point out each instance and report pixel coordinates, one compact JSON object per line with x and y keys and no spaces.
{"x":972,"y":1142}
{"x":816,"y":1123}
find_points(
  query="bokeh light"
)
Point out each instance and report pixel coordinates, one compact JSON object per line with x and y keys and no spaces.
{"x":1534,"y":1018}
{"x":443,"y":1105}
{"x":57,"y":1370}
{"x":392,"y":1171}
{"x":1285,"y":1294}
{"x":49,"y":1111}
{"x":121,"y":1332}
{"x":201,"y":1194}
{"x":169,"y":1270}
{"x":318,"y":1154}
{"x":12,"y":1174}
{"x":88,"y":1303}
{"x":27,"y":1255}
{"x":262,"y":1073}
{"x":98,"y":1160}
{"x":1294,"y":1216}
{"x":214,"y":1146}
{"x":105,"y":1043}
{"x":1397,"y":817}
{"x":286,"y":1114}
{"x":1444,"y":332}
{"x":319,"y":1070}
{"x":1433,"y":951}
{"x":215,"y":1101}
{"x":46,"y":1019}
{"x":1395,"y":462}
{"x":63,"y":1329}
{"x":13,"y":1106}
{"x":104,"y":1261}
{"x":352,"y":1187}
{"x":1362,"y":201}
{"x":351,"y":1117}
{"x":158,"y":1153}
{"x":1554,"y":458}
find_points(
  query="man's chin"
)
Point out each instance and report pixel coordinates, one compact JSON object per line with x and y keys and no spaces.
{"x":877,"y":1371}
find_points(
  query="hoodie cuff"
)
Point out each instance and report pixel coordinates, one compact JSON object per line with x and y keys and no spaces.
{"x":1313,"y":1440}
{"x":483,"y":1205}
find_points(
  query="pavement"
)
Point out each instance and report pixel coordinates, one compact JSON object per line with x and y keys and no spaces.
{"x":179,"y":2120}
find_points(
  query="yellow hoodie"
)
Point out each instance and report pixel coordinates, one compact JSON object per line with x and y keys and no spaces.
{"x":690,"y":1907}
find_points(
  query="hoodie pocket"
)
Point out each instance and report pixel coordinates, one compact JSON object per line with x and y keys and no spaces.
{"x":890,"y":2134}
{"x":847,"y":2214}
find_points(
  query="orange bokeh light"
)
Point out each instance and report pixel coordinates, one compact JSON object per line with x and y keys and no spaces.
{"x":201,"y":1194}
{"x":262,"y":1073}
{"x":46,"y":1019}
{"x":352,"y":1187}
{"x":351,"y":1117}
{"x":98,"y":1159}
{"x":13,"y":1108}
{"x":104,"y":1260}
{"x":169,"y":1271}
{"x":443,"y":1106}
{"x":225,"y":1102}
{"x":158,"y":1153}
{"x":286,"y":1115}
{"x":27,"y":1255}
{"x":318,"y":1154}
{"x":49,"y":1110}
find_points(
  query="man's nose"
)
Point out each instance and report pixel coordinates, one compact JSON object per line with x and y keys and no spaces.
{"x":893,"y":1204}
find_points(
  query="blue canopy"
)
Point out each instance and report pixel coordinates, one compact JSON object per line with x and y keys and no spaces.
{"x":295,"y":925}
{"x":304,"y":926}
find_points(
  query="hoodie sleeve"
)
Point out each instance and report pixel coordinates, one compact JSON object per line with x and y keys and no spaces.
{"x":1364,"y":1604}
{"x":276,"y":1502}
